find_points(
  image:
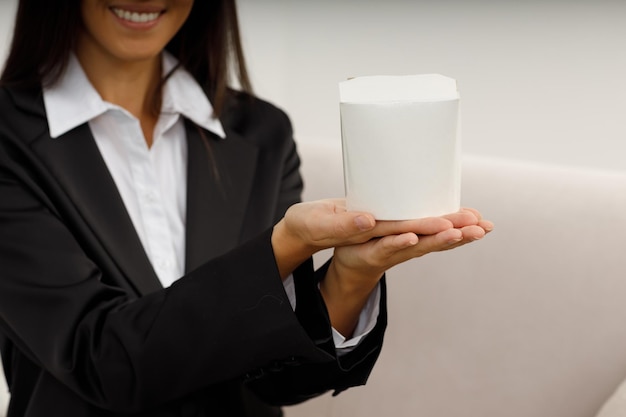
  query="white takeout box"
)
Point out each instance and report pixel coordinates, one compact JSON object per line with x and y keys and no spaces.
{"x":401,"y":145}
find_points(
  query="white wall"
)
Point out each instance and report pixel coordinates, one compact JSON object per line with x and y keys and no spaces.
{"x":7,"y":14}
{"x":540,"y":80}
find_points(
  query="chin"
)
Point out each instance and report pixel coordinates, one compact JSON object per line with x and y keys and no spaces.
{"x":136,"y":53}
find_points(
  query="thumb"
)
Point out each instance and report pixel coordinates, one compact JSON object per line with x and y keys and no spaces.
{"x":349,"y":225}
{"x":363,"y":221}
{"x":346,"y":227}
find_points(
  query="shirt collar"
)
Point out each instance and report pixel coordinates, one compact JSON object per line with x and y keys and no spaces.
{"x":73,"y":101}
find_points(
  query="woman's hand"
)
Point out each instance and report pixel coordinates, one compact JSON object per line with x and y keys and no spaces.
{"x":364,"y":248}
{"x":356,"y":269}
{"x":374,"y":257}
{"x":310,"y":227}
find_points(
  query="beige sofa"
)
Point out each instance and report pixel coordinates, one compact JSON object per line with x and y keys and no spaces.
{"x":530,"y":322}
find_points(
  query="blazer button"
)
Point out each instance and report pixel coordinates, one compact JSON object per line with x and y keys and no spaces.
{"x":292,"y":361}
{"x":255,"y":374}
{"x":275,"y":366}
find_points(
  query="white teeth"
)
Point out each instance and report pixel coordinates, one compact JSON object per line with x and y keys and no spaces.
{"x":135,"y":17}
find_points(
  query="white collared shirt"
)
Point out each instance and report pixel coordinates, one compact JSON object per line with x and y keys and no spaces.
{"x":152,"y":181}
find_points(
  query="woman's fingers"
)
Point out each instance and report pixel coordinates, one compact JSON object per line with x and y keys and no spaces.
{"x":385,"y":252}
{"x":486,"y":225}
{"x":326,"y":223}
{"x":423,"y":226}
{"x":462,"y":218}
{"x":395,"y":242}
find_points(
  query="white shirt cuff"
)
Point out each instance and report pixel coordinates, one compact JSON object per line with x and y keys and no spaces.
{"x":367,"y":318}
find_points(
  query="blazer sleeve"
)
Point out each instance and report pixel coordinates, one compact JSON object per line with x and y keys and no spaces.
{"x":290,"y":382}
{"x":293,"y":382}
{"x":124,"y":353}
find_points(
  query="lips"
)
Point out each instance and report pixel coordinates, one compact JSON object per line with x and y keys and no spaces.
{"x":136,"y":17}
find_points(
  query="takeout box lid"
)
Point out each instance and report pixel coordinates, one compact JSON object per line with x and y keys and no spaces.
{"x":390,"y":88}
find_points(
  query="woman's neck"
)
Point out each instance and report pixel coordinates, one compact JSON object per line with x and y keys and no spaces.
{"x":132,"y":85}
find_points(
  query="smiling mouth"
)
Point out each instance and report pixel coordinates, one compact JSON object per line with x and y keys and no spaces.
{"x":136,"y":17}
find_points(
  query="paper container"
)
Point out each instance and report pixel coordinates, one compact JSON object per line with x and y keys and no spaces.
{"x":401,"y":146}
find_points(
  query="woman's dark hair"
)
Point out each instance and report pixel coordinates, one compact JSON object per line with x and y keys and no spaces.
{"x":208,"y":45}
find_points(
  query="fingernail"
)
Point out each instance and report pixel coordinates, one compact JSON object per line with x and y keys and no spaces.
{"x":457,"y":239}
{"x":363,"y":223}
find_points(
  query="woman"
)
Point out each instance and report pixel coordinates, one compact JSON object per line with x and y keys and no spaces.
{"x":155,"y":258}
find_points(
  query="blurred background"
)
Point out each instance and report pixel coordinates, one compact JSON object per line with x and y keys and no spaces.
{"x":540,"y":80}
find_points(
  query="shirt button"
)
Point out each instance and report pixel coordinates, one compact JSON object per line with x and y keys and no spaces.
{"x":150,"y":197}
{"x":163,"y":263}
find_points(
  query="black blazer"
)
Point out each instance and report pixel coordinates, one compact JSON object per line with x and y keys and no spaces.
{"x":86,"y":329}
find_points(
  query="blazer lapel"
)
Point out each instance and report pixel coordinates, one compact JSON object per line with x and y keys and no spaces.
{"x":75,"y":162}
{"x":220,"y":179}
